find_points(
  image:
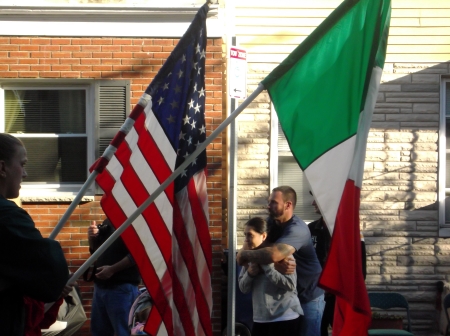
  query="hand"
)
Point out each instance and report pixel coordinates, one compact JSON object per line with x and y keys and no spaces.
{"x":67,"y":289}
{"x":286,"y":266}
{"x":253,"y":269}
{"x":93,"y":230}
{"x":104,"y":272}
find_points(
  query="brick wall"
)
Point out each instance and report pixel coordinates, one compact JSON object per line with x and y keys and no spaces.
{"x":135,"y":59}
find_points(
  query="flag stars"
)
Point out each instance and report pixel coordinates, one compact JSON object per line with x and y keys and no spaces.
{"x":202,"y":129}
{"x":186,"y":120}
{"x":197,"y":108}
{"x":183,"y":59}
{"x":195,"y":65}
{"x":198,"y":71}
{"x":180,"y":73}
{"x":171,"y":119}
{"x":189,"y":141}
{"x":197,"y":49}
{"x":181,"y":137}
{"x":191,"y":104}
{"x":195,"y":87}
{"x":177,"y":89}
{"x":192,"y":124}
{"x":160,"y":100}
{"x":166,"y":86}
{"x":201,"y":92}
{"x":203,"y":54}
{"x":174,"y":104}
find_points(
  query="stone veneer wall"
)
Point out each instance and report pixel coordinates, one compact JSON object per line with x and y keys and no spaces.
{"x":399,"y":215}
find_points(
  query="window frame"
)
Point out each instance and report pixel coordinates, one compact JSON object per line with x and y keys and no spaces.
{"x":56,"y":192}
{"x":444,"y":228}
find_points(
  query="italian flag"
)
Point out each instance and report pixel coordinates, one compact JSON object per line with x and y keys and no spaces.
{"x":324,"y":94}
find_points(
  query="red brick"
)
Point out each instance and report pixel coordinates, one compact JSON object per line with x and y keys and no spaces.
{"x":19,"y":40}
{"x":143,"y":41}
{"x":81,"y":41}
{"x":4,"y":67}
{"x":91,"y":48}
{"x":70,"y":74}
{"x":162,"y":55}
{"x":9,"y":47}
{"x":111,"y":48}
{"x":49,"y":48}
{"x":121,"y":67}
{"x":122,"y":55}
{"x":49,"y":61}
{"x":122,"y":41}
{"x":70,"y":61}
{"x":131,"y":61}
{"x":8,"y":74}
{"x":5,"y":40}
{"x":64,"y":67}
{"x":102,"y":55}
{"x":70,"y":48}
{"x":50,"y":74}
{"x":28,"y":47}
{"x":151,"y":48}
{"x":82,"y":54}
{"x":40,"y":41}
{"x":90,"y":61}
{"x":101,"y":41}
{"x":41,"y":54}
{"x":130,"y":48}
{"x":90,"y":74}
{"x":60,"y":41}
{"x":153,"y":61}
{"x":110,"y":61}
{"x":164,"y":42}
{"x":62,"y":54}
{"x":21,"y":67}
{"x":102,"y":67}
{"x":131,"y":74}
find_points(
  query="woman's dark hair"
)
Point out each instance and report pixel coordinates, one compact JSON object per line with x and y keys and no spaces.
{"x":258,"y":224}
{"x":8,"y":144}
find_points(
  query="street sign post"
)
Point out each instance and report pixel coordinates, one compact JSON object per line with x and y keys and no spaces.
{"x":237,"y":77}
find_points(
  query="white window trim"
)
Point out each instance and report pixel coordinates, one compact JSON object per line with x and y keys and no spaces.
{"x":273,"y":149}
{"x":444,"y":229}
{"x":55,"y":192}
{"x":104,"y":21}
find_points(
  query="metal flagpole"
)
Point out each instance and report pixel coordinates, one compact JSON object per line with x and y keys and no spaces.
{"x":73,"y":205}
{"x":200,"y":148}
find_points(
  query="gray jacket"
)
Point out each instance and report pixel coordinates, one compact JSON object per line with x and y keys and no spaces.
{"x":272,"y":293}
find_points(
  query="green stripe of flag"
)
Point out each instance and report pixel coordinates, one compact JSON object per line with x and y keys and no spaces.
{"x":319,"y":90}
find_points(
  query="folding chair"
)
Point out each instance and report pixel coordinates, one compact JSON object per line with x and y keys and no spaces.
{"x":446,"y":305}
{"x":387,"y":301}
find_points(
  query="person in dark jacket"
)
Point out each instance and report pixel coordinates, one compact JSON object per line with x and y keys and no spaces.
{"x":116,"y":280}
{"x":31,"y":267}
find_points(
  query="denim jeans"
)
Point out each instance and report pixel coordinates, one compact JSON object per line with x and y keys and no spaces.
{"x":110,"y":309}
{"x":313,"y":310}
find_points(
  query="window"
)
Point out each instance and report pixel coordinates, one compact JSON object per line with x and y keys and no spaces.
{"x":444,"y":160}
{"x":285,"y":171}
{"x":64,"y":127}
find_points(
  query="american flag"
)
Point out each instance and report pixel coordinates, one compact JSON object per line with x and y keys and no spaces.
{"x":170,"y":240}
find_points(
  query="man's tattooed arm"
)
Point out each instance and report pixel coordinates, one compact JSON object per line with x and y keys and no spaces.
{"x":266,"y":255}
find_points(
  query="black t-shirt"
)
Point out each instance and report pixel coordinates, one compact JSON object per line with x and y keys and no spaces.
{"x":113,"y":254}
{"x":321,"y":239}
